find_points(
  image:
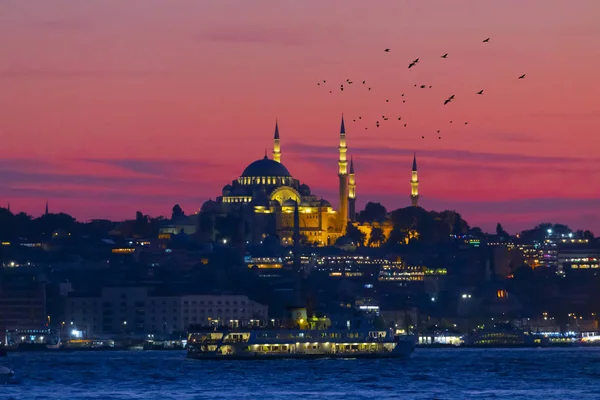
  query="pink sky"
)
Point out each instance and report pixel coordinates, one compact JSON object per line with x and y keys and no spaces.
{"x":108,"y":107}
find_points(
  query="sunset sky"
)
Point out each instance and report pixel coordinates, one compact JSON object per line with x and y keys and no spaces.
{"x":110,"y":106}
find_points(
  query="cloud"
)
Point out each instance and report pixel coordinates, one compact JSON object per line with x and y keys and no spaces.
{"x":107,"y":195}
{"x":15,"y":179}
{"x":522,"y":206}
{"x":26,"y":164}
{"x":165,"y":167}
{"x":513,"y":137}
{"x":562,"y":114}
{"x":441,"y":154}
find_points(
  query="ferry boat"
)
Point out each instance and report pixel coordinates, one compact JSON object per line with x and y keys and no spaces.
{"x":298,"y":343}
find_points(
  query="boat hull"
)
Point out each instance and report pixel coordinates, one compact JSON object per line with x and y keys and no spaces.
{"x":403,"y":349}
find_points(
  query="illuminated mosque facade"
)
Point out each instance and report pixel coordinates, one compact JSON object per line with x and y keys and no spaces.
{"x":273,"y":202}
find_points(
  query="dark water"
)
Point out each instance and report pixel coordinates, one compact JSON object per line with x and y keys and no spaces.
{"x":429,"y":374}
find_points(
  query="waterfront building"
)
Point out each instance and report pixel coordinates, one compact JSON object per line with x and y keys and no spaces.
{"x":22,"y":304}
{"x":142,"y":310}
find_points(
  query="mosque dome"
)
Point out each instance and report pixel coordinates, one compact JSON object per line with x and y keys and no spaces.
{"x":304,"y":190}
{"x":324,"y":203}
{"x":266,"y":167}
{"x":227,"y":189}
{"x":289,"y":203}
{"x":210,"y":206}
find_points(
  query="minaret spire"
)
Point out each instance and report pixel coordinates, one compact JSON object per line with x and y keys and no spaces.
{"x":351,"y":193}
{"x":414,"y":184}
{"x":343,"y":177}
{"x":276,"y":146}
{"x":46,"y":213}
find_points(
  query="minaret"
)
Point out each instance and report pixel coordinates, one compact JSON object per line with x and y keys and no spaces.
{"x":343,"y":175}
{"x":351,"y":193}
{"x":414,"y":184}
{"x":276,"y":148}
{"x":46,"y":213}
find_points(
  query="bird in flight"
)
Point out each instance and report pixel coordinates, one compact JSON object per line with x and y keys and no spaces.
{"x":413,"y":63}
{"x":449,"y":99}
{"x":486,"y":40}
{"x":445,"y":55}
{"x":387,"y":50}
{"x":480,"y":92}
{"x":522,"y":76}
{"x":364,"y":82}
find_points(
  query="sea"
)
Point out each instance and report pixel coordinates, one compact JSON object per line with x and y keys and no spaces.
{"x":564,"y":373}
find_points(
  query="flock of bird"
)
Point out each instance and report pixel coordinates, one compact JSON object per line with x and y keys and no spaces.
{"x":346,"y":84}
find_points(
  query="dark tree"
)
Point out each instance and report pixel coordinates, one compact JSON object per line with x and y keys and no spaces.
{"x":177,"y":212}
{"x":501,"y":232}
{"x":373,"y":212}
{"x":48,"y":223}
{"x":354,"y":234}
{"x":377,"y":237}
{"x":227,"y":227}
{"x":476,"y":232}
{"x":456,"y":224}
{"x":7,"y":224}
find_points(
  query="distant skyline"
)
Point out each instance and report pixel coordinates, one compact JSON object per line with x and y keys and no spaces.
{"x":109,"y":107}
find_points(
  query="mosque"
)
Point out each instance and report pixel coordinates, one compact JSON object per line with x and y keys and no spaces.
{"x":272,"y":202}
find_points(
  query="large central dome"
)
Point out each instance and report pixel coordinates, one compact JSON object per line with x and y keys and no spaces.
{"x":266,"y":167}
